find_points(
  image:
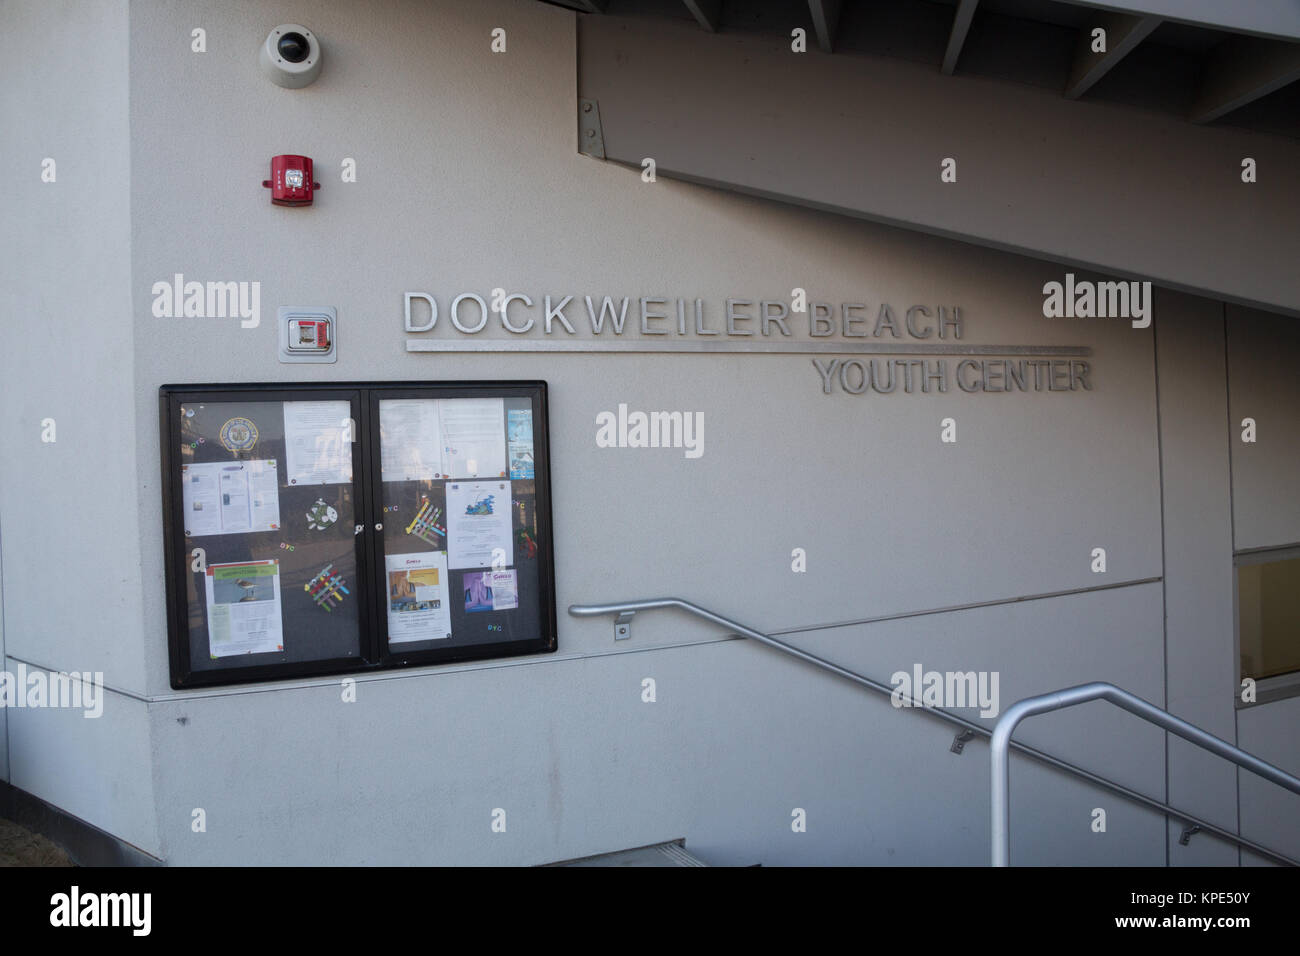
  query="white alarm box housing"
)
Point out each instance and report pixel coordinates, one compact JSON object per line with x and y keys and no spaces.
{"x":307,"y":333}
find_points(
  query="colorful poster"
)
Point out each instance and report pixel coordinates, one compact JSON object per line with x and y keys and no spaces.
{"x":236,"y":497}
{"x":418,"y":608}
{"x":318,"y":440}
{"x":410,"y":440}
{"x":243,"y":608}
{"x":473,"y":437}
{"x":425,"y":525}
{"x":327,"y":588}
{"x":479,"y":524}
{"x":491,"y":591}
{"x":519,"y":438}
{"x":478,"y":592}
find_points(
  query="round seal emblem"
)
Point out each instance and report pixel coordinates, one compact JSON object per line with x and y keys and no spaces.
{"x":238,"y":434}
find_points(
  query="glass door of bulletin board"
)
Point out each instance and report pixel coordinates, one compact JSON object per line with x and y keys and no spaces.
{"x":458,"y":561}
{"x":318,"y":529}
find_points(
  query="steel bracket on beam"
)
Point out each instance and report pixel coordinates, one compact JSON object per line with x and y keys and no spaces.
{"x":957,"y":35}
{"x":826,"y":18}
{"x":591,"y":139}
{"x":623,"y":625}
{"x":1123,"y":34}
{"x":707,"y":13}
{"x":959,"y":741}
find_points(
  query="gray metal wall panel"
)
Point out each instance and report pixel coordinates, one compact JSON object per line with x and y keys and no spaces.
{"x":99,"y":769}
{"x":1269,"y":814}
{"x":71,"y":559}
{"x":1263,"y":357}
{"x":737,"y":739}
{"x":4,"y":711}
{"x":66,"y":297}
{"x":1198,"y":562}
{"x":1077,"y":182}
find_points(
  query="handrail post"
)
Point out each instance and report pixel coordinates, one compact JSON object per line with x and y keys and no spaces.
{"x":1000,"y":745}
{"x":1000,"y":758}
{"x":1000,"y":761}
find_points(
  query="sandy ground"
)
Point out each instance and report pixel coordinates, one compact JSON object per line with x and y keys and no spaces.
{"x":21,"y":847}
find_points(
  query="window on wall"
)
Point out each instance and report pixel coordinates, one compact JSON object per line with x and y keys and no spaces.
{"x":1268,"y":614}
{"x":318,"y":529}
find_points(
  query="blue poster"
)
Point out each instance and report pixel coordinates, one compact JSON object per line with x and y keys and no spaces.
{"x":519,"y":434}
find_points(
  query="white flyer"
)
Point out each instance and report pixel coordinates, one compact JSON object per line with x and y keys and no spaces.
{"x":479,"y":524}
{"x":410,"y":439}
{"x":505,"y":589}
{"x":418,"y":608}
{"x":230,"y":497}
{"x":243,"y":608}
{"x":236,"y":503}
{"x":318,"y":439}
{"x":473,"y":437}
{"x":202,"y":500}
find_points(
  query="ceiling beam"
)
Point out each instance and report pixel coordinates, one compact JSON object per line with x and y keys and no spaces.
{"x":957,"y":37}
{"x":1123,"y":34}
{"x":707,"y":13}
{"x":587,"y":6}
{"x":1265,"y":18}
{"x":1240,"y":70}
{"x":826,"y":18}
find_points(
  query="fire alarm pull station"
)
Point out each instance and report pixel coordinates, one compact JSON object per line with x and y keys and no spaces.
{"x":307,"y":333}
{"x":291,"y":181}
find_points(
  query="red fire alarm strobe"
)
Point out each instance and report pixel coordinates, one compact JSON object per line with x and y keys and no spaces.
{"x":291,"y":181}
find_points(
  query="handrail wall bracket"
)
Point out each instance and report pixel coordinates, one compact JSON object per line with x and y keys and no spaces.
{"x":959,"y":741}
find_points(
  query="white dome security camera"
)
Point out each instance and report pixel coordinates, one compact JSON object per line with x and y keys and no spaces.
{"x":291,"y":56}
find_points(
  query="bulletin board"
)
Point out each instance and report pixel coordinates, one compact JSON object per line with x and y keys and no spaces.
{"x":318,"y":529}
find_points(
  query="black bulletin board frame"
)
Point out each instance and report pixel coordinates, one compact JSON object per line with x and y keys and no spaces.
{"x":369,"y":584}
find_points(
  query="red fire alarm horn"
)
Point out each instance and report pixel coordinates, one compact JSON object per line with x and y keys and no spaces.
{"x":291,"y":181}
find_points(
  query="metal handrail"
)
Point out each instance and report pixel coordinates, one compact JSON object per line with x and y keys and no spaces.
{"x":1000,"y":742}
{"x":629,"y":607}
